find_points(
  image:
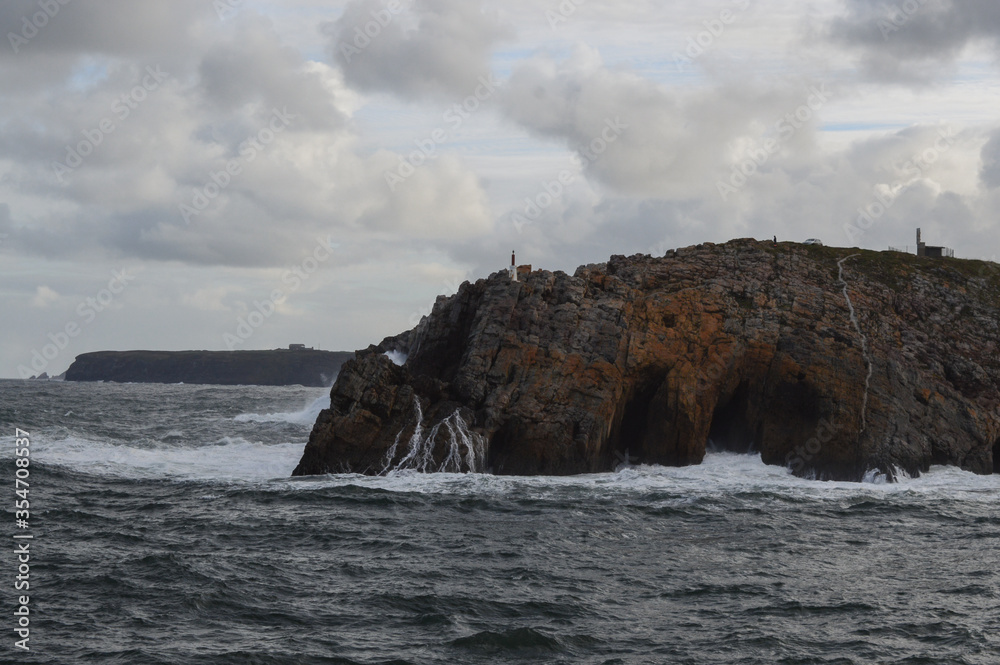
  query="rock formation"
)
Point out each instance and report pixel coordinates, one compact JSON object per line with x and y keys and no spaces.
{"x":830,"y":361}
{"x":280,"y":367}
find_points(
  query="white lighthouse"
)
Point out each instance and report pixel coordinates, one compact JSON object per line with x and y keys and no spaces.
{"x":512,"y":270}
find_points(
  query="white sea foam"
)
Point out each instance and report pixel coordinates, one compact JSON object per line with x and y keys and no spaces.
{"x":230,"y":459}
{"x":397,"y":357}
{"x":719,"y":475}
{"x":420,"y":449}
{"x":307,"y":416}
{"x":237,"y":460}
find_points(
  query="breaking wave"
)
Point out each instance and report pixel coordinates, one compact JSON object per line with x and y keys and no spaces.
{"x":306,"y":416}
{"x":229,"y":459}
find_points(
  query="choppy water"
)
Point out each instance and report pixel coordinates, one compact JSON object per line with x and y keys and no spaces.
{"x":167,"y":531}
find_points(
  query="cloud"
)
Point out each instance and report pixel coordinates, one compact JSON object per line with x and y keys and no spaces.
{"x":430,"y":48}
{"x":107,"y":27}
{"x":917,"y":41}
{"x":253,"y":67}
{"x":44,"y":296}
{"x":640,"y":137}
{"x":208,"y":299}
{"x":989,"y":174}
{"x":872,"y":193}
{"x":237,"y":153}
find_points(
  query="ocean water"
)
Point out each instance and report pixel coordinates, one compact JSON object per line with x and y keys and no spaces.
{"x":166,"y":530}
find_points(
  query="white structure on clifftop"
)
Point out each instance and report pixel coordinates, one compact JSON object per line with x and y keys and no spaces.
{"x":514,"y":270}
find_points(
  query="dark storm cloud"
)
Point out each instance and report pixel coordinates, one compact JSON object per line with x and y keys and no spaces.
{"x":914,"y":40}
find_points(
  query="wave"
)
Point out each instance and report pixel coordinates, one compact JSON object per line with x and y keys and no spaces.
{"x":720,"y":474}
{"x":235,"y":459}
{"x":307,"y":416}
{"x":229,"y":459}
{"x":397,"y":357}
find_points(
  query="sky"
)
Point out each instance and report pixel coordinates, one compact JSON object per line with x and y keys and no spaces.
{"x":242,"y":174}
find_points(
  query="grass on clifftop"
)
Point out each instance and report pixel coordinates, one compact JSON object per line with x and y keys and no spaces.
{"x":897,"y":269}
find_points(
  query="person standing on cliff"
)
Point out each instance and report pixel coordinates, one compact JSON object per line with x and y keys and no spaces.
{"x":775,"y":241}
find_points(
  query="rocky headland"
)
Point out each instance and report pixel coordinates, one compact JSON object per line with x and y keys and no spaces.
{"x":280,"y":367}
{"x":833,"y":362}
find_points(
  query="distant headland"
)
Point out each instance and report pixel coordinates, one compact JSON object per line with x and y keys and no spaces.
{"x":296,"y":365}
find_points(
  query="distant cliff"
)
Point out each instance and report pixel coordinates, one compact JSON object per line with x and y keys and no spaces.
{"x":280,"y":367}
{"x":832,"y":362}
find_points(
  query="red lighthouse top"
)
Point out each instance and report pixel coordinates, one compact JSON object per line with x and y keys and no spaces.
{"x":512,"y":262}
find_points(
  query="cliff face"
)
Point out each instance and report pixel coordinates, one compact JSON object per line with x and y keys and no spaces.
{"x":266,"y":368}
{"x":829,"y":361}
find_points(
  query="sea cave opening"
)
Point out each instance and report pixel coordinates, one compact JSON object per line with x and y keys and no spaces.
{"x":996,"y":456}
{"x":732,"y":429}
{"x":634,"y":423}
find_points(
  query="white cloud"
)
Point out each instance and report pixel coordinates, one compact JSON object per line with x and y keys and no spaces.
{"x":44,"y":296}
{"x":208,"y":299}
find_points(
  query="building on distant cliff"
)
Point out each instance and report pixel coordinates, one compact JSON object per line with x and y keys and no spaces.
{"x":298,"y":347}
{"x":923,"y":249}
{"x":930,"y":252}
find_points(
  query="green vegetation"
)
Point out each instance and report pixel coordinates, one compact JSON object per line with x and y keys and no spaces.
{"x":895,"y":270}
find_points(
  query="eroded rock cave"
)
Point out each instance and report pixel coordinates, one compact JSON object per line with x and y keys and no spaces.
{"x":732,"y":429}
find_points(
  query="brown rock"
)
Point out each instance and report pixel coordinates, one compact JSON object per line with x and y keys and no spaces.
{"x":742,"y":346}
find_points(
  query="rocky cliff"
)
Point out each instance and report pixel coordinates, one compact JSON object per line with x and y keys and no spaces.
{"x":280,"y":367}
{"x":832,"y":362}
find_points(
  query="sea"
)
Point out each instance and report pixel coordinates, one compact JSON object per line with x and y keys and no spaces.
{"x":165,"y":529}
